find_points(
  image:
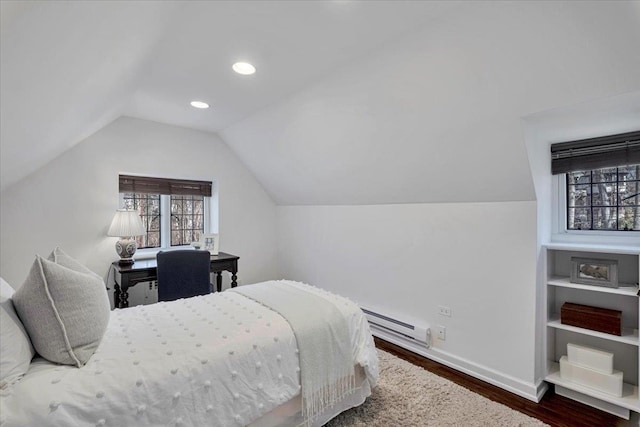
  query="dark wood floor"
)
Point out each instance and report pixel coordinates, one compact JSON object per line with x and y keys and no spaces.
{"x":553,"y":409}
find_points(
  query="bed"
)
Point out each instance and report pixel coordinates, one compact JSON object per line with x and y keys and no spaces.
{"x":224,"y":359}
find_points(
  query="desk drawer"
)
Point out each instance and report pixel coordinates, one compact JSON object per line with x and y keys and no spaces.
{"x":134,"y":277}
{"x":230,"y":265}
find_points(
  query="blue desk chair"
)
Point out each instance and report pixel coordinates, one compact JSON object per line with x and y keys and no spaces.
{"x":183,"y":274}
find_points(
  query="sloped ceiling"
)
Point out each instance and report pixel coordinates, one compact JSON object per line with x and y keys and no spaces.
{"x":292,"y":44}
{"x":436,"y":117}
{"x":353,"y":102}
{"x":69,"y":68}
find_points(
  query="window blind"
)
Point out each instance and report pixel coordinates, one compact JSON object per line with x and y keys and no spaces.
{"x":595,"y":153}
{"x":143,"y":184}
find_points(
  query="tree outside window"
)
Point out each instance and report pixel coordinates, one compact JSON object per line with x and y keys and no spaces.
{"x":187,"y":219}
{"x":148,"y":207}
{"x":604,"y":199}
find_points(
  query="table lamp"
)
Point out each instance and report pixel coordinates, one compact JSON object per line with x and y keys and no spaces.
{"x":126,"y":225}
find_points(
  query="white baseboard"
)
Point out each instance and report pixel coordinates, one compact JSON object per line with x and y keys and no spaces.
{"x":531,"y":391}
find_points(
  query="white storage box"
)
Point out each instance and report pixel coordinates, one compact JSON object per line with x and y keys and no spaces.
{"x":587,"y":357}
{"x":605,"y":383}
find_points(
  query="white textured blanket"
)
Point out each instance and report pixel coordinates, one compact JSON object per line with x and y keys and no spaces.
{"x":322,"y":334}
{"x":216,"y":360}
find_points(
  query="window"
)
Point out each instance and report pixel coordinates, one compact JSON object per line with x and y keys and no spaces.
{"x":187,"y":219}
{"x":604,"y":199}
{"x":601,"y":183}
{"x":148,"y":207}
{"x":174,"y":212}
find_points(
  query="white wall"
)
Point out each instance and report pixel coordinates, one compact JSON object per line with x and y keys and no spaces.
{"x":37,"y":214}
{"x":476,"y":258}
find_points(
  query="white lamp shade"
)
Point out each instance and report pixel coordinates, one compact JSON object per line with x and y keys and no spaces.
{"x":125,"y":224}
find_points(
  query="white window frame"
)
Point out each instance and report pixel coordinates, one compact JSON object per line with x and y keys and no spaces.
{"x":559,"y":232}
{"x":165,"y":226}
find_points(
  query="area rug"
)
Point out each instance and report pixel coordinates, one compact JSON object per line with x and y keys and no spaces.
{"x":408,"y":395}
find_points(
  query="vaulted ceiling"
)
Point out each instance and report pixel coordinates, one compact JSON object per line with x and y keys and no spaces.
{"x":353,"y":102}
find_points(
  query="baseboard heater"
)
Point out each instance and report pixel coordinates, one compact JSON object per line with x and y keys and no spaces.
{"x":420,"y":334}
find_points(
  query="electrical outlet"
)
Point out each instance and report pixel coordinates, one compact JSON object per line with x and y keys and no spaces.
{"x":442,"y":333}
{"x":444,"y":311}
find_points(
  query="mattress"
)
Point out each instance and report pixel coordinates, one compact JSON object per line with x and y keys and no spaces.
{"x":215,"y":360}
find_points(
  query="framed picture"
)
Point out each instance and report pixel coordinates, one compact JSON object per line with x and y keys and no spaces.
{"x":598,"y":272}
{"x":210,"y":242}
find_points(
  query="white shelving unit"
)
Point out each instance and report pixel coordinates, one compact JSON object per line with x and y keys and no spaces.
{"x":625,"y":298}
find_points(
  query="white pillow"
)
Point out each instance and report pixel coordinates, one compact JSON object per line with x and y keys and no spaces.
{"x":65,"y":312}
{"x":16,"y":351}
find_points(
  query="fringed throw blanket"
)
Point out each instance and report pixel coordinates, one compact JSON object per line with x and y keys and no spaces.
{"x":326,"y":360}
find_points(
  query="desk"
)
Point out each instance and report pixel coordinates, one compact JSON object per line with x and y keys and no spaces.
{"x":126,"y":276}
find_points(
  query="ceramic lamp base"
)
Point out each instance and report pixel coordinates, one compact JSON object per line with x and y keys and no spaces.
{"x":125,"y":249}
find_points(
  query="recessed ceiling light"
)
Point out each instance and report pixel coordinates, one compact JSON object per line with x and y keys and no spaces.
{"x":199,"y":104}
{"x":244,"y":68}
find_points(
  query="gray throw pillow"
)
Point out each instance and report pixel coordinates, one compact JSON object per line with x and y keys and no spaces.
{"x":65,"y":312}
{"x":60,"y":257}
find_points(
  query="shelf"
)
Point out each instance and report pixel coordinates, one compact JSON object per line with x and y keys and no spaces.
{"x":625,"y":298}
{"x":629,"y":335}
{"x":629,"y":399}
{"x":624,"y":288}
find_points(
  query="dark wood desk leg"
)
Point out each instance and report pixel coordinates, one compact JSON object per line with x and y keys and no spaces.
{"x":234,"y":278}
{"x":219,"y":281}
{"x":124,"y":295}
{"x":116,"y":296}
{"x":124,"y":299}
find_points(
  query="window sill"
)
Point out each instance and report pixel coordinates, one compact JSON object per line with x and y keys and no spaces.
{"x":592,"y":247}
{"x":629,"y":239}
{"x":151,"y":253}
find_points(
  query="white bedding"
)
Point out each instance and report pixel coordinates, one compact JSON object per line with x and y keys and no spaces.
{"x":327,"y":373}
{"x":216,"y":360}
